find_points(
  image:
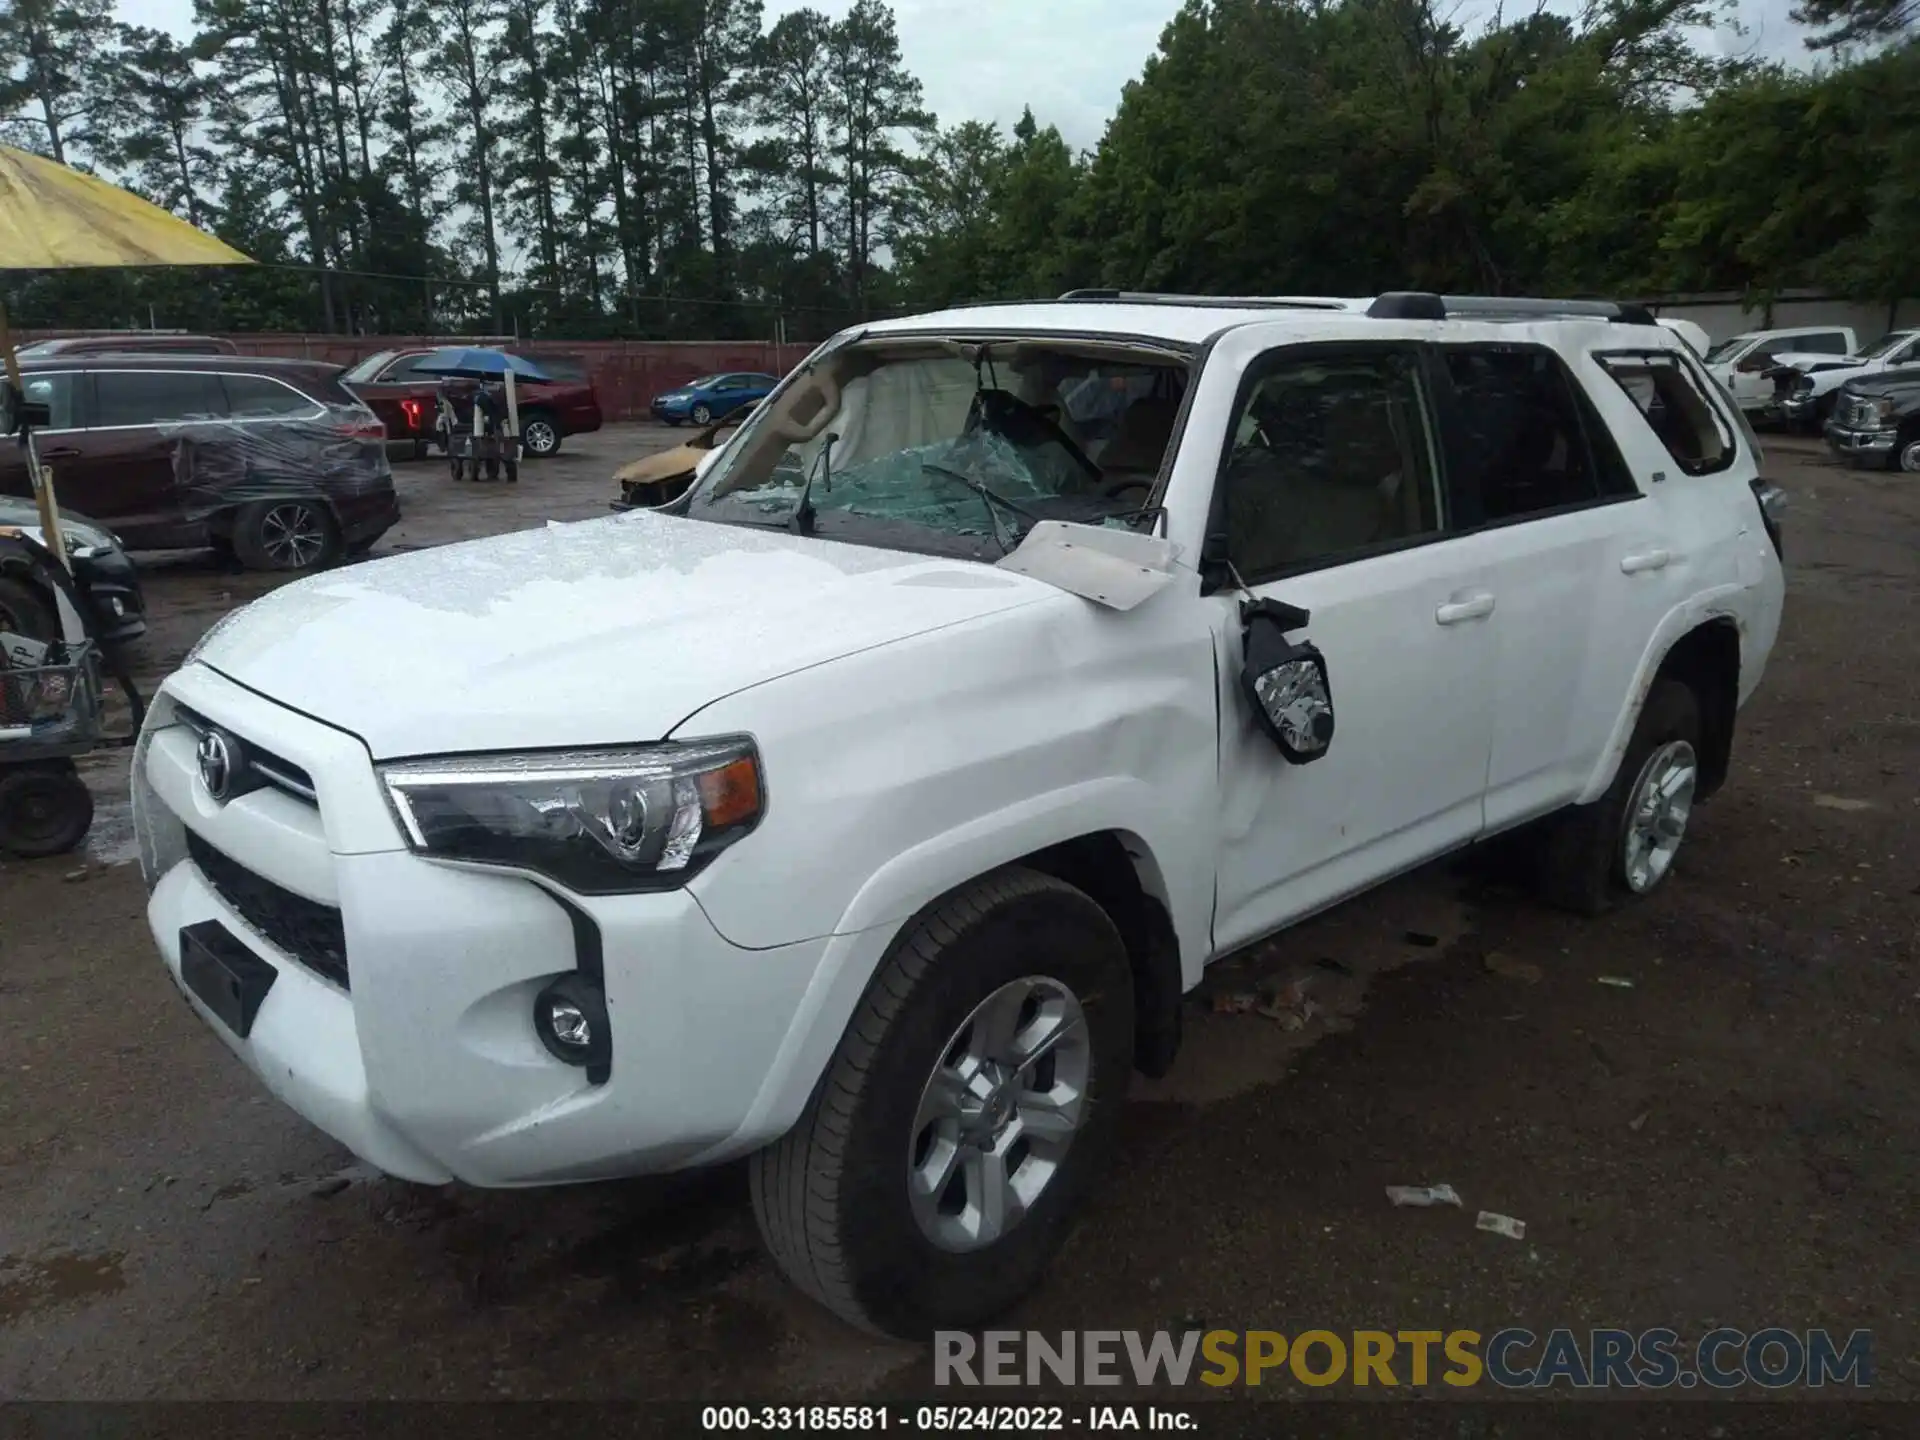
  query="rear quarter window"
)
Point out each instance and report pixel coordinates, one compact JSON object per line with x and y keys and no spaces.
{"x":154,"y":397}
{"x":1676,"y":407}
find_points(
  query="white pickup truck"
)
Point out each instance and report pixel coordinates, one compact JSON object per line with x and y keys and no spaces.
{"x":869,"y":812}
{"x":1806,"y":383}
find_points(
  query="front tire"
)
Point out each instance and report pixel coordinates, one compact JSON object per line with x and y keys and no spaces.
{"x":973,"y":1101}
{"x":45,"y":809}
{"x":26,"y":609}
{"x":1906,"y":455}
{"x":702,"y":415}
{"x":1624,"y":843}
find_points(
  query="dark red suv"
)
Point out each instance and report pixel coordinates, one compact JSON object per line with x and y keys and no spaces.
{"x":270,"y":460}
{"x":550,"y":410}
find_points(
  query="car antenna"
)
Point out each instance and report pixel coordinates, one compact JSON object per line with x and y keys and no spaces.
{"x":800,"y":520}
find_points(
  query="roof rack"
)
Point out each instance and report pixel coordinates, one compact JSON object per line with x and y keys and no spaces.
{"x":1212,"y":302}
{"x":1424,"y":305}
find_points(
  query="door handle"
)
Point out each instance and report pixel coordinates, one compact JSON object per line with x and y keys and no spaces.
{"x":1456,"y":612}
{"x":59,"y":452}
{"x":1651,"y":560}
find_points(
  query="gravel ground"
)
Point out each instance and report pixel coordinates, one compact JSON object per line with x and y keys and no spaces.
{"x":1735,"y":1139}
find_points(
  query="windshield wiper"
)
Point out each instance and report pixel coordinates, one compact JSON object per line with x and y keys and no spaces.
{"x":800,"y":519}
{"x":994,"y":500}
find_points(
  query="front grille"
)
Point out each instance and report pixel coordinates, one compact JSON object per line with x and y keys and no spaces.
{"x":310,"y":932}
{"x":257,"y":767}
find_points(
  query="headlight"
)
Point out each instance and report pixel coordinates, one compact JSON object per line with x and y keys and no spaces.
{"x":1880,"y":408}
{"x":600,"y":822}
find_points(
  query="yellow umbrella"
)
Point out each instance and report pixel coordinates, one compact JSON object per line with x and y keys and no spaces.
{"x":54,"y":218}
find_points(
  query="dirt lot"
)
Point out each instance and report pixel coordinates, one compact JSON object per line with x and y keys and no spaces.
{"x":1735,"y":1139}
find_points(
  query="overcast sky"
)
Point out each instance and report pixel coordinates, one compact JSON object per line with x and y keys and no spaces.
{"x":985,"y":59}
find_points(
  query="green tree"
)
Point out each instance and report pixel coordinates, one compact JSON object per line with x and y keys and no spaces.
{"x":57,"y":60}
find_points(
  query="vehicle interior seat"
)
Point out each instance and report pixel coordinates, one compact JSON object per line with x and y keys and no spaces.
{"x":1140,"y":441}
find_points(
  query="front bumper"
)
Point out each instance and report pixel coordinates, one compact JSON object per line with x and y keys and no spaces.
{"x":1852,"y":444}
{"x":675,"y":410}
{"x":112,"y":588}
{"x":1794,"y":409}
{"x":428,"y":1066}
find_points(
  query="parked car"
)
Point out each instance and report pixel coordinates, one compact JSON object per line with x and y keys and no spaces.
{"x":550,"y":410}
{"x":270,"y":460}
{"x":1806,"y":385}
{"x":1876,"y":420}
{"x":1696,"y":337}
{"x":103,"y":574}
{"x":868,"y":811}
{"x":128,"y":342}
{"x":712,"y":397}
{"x":1741,"y":363}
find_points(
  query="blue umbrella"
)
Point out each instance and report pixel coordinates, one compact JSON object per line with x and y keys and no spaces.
{"x":479,"y":364}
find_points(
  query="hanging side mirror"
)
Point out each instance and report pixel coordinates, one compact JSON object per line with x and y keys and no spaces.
{"x":1285,"y":681}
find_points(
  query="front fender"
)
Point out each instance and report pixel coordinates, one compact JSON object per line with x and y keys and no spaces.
{"x":907,"y":885}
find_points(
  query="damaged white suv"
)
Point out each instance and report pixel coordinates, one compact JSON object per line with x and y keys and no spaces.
{"x":868,"y":813}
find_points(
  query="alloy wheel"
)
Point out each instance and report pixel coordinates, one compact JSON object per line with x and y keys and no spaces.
{"x":1910,"y":457}
{"x":540,"y":437}
{"x":998,"y":1113}
{"x":1657,"y":814}
{"x":293,"y":535}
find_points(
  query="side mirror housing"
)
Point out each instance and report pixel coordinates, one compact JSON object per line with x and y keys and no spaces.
{"x":1285,"y":681}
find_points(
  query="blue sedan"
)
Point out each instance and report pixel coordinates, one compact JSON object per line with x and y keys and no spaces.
{"x":712,"y":397}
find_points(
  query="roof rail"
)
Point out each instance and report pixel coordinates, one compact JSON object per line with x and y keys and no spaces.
{"x":1424,"y":305}
{"x":1214,"y":302}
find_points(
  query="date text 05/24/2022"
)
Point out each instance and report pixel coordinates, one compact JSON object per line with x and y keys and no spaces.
{"x":945,"y":1419}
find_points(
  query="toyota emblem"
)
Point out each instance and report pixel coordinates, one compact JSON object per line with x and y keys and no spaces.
{"x":216,"y":764}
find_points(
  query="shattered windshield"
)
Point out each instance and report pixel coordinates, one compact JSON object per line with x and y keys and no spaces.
{"x":952,"y":447}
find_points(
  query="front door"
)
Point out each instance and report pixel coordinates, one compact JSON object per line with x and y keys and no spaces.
{"x":1330,"y":500}
{"x":132,"y":452}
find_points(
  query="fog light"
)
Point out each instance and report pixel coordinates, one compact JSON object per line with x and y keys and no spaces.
{"x":570,"y":1016}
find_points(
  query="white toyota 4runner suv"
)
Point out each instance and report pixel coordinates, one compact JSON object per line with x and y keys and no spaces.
{"x":868,"y":812}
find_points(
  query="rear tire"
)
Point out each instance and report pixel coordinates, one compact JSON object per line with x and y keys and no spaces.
{"x":45,"y":809}
{"x":835,"y":1197}
{"x":540,"y":434}
{"x":285,"y":535}
{"x":1584,"y":860}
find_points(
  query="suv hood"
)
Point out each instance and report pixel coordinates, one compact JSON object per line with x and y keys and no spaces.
{"x":1812,"y":360}
{"x":601,"y":632}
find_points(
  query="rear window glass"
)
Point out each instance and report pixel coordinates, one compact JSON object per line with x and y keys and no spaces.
{"x":154,"y":397}
{"x":256,"y":396}
{"x":1677,"y":408}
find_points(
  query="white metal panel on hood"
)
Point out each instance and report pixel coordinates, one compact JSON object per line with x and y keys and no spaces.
{"x":603,"y":632}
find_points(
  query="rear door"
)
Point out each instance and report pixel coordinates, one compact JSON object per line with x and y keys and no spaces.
{"x":1534,"y":474}
{"x":125,"y":471}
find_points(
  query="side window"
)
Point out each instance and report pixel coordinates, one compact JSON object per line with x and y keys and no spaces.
{"x":1826,"y":342}
{"x":1907,"y":356}
{"x":1518,"y":437}
{"x":255,"y":397}
{"x":56,"y":392}
{"x":1761,"y":356}
{"x":153,"y":397}
{"x":401,"y":370}
{"x":1331,"y":454}
{"x":1677,"y":408}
